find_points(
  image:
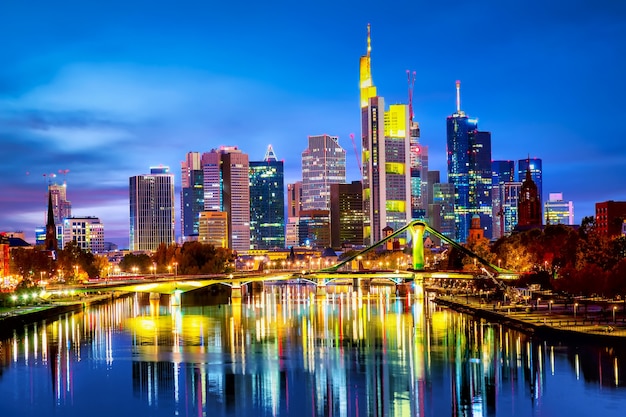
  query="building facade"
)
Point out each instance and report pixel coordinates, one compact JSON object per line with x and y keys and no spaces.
{"x":529,"y":206}
{"x":86,"y":232}
{"x":192,"y":194}
{"x":267,"y":203}
{"x":502,"y":172}
{"x":294,"y":200}
{"x":610,"y":216}
{"x":323,"y":164}
{"x":213,"y":228}
{"x":346,"y":214}
{"x":151,"y":209}
{"x":469,"y":169}
{"x":558,"y":211}
{"x":534,"y":165}
{"x":386,"y":156}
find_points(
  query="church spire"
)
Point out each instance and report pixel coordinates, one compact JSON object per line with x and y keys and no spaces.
{"x":51,"y":234}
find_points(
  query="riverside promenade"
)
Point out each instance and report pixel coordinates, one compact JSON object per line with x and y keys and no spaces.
{"x":549,"y":321}
{"x":16,"y":317}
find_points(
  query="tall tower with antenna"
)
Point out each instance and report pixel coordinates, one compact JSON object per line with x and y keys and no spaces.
{"x":469,"y":169}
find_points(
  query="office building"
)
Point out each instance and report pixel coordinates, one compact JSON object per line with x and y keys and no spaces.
{"x":558,"y":211}
{"x":294,"y":200}
{"x":267,"y":203}
{"x":502,"y":172}
{"x":226,"y":181}
{"x":314,"y":229}
{"x":610,"y":217}
{"x":151,"y":209}
{"x":192,"y":194}
{"x":386,"y":144}
{"x":213,"y":228}
{"x":469,"y":169}
{"x":442,"y":210}
{"x":86,"y":232}
{"x":509,"y":193}
{"x":346,"y":214}
{"x":323,"y":164}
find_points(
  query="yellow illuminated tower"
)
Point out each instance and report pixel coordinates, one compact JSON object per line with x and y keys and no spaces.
{"x":386,"y":159}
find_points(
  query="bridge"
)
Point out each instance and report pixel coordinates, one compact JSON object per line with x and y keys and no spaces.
{"x":323,"y":277}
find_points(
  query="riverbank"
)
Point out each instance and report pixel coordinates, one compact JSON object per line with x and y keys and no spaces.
{"x":553,"y":322}
{"x":19,"y":316}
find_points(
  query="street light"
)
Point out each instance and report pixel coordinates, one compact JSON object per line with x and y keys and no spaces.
{"x":176,"y":268}
{"x":551,"y":301}
{"x":575,"y":307}
{"x":614,"y":309}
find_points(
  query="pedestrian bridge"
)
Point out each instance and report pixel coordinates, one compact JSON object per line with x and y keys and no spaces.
{"x":324,"y":276}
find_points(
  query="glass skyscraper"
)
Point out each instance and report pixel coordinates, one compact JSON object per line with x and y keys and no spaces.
{"x":192,"y":194}
{"x":267,"y":203}
{"x":469,"y":169}
{"x":501,"y":172}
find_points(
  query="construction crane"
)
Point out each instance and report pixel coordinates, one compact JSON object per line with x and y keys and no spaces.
{"x":356,"y":154}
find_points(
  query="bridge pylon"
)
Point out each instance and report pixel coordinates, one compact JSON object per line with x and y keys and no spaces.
{"x":417,"y":237}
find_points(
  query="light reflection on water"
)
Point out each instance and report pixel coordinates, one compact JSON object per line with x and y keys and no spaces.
{"x":287,"y":351}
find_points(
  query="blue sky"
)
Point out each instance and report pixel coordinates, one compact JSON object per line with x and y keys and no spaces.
{"x":108,"y":89}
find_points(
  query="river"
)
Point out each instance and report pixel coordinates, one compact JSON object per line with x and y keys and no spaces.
{"x":286,"y":351}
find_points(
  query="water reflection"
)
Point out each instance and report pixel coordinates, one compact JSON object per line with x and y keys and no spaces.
{"x":286,"y":350}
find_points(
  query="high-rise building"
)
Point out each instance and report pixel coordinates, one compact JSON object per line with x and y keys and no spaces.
{"x":151,"y":209}
{"x":419,"y":163}
{"x":294,"y":200}
{"x":529,"y":206}
{"x":323,"y":164}
{"x":509,"y":193}
{"x":502,"y":171}
{"x":434,"y":177}
{"x":267,"y":202}
{"x":469,"y":169}
{"x":236,"y":197}
{"x":610,"y":216}
{"x":558,"y":211}
{"x":213,"y":228}
{"x":314,"y":228}
{"x":442,"y":210}
{"x":86,"y":232}
{"x":61,"y":207}
{"x":346,"y":214}
{"x":534,"y":166}
{"x":227,"y":188}
{"x":192,"y":194}
{"x":386,"y":145}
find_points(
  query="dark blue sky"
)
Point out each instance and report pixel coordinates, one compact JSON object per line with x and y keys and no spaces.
{"x":107,"y":89}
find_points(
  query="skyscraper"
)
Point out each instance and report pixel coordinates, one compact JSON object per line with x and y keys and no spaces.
{"x":346,"y":214}
{"x":534,"y":166}
{"x":236,"y":197}
{"x":267,"y":202}
{"x":386,"y":145}
{"x":192,"y":194}
{"x":442,"y":209}
{"x":509,"y":194}
{"x":469,"y":169}
{"x":61,"y":207}
{"x":151,"y":209}
{"x":323,"y":163}
{"x":502,"y":172}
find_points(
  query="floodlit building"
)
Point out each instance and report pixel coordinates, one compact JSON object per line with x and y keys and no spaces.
{"x":386,"y":162}
{"x":323,"y":164}
{"x":529,"y":205}
{"x":191,"y":194}
{"x":346,"y":214}
{"x":86,"y":232}
{"x":213,"y":228}
{"x":151,"y":209}
{"x":469,"y":169}
{"x":609,"y":217}
{"x":558,"y":211}
{"x":267,"y":202}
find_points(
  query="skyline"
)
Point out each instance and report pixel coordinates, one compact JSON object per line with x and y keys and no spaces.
{"x":106,"y":94}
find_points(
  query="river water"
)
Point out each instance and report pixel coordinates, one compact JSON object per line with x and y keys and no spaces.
{"x":287,"y":351}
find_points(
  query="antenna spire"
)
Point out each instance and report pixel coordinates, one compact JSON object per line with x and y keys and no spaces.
{"x":369,"y":40}
{"x":411,"y":81}
{"x":458,"y":96}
